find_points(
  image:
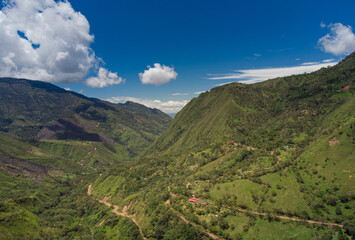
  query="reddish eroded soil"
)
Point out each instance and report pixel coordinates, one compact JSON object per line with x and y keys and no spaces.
{"x":334,"y":141}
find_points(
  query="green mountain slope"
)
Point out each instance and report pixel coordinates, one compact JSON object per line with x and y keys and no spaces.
{"x":239,"y":111}
{"x":43,"y":195}
{"x":274,"y":160}
{"x":52,"y":142}
{"x":26,"y":107}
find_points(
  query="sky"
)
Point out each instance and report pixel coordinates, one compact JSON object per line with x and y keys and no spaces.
{"x":164,"y":53}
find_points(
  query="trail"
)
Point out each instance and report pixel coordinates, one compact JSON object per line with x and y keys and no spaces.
{"x":92,"y":151}
{"x":89,"y":190}
{"x":287,"y":218}
{"x":283,"y":217}
{"x":277,"y":216}
{"x":279,"y":159}
{"x":171,"y":194}
{"x":192,"y":224}
{"x":185,"y":220}
{"x":115,"y":210}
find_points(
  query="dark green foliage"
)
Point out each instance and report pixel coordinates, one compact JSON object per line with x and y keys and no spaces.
{"x":26,"y":107}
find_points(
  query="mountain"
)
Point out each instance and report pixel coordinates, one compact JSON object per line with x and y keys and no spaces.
{"x":272,"y":160}
{"x":52,"y":142}
{"x":33,"y":109}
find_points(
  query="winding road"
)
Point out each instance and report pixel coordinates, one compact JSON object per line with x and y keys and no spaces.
{"x":115,"y":210}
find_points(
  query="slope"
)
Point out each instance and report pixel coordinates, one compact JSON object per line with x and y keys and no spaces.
{"x":52,"y":142}
{"x":274,"y":160}
{"x":27,"y":106}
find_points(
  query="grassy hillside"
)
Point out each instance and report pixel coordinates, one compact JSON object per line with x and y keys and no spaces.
{"x":273,"y":160}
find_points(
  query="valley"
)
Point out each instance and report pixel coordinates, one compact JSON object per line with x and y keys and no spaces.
{"x":270,"y":160}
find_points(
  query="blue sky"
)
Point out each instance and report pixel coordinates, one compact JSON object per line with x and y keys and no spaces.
{"x":197,"y":44}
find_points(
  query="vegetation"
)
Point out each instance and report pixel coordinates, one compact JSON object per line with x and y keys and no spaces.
{"x":272,"y":160}
{"x":288,"y":156}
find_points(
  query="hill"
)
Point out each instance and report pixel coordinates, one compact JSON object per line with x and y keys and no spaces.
{"x":52,"y":142}
{"x":272,"y":160}
{"x":33,"y":109}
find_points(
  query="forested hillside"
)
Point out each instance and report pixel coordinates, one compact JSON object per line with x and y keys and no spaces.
{"x":52,"y":141}
{"x":272,"y":160}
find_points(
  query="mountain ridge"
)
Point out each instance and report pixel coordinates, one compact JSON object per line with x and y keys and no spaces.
{"x":27,"y":106}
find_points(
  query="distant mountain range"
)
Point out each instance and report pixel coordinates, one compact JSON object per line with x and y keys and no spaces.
{"x":33,"y":109}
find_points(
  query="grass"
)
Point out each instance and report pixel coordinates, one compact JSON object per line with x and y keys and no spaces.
{"x":264,"y":229}
{"x":240,"y":188}
{"x":238,"y":221}
{"x":288,"y":198}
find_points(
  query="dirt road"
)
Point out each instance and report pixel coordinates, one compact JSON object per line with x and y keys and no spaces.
{"x":115,"y":210}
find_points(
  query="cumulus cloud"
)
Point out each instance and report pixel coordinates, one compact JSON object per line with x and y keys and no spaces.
{"x":340,"y":40}
{"x":257,"y":75}
{"x":104,"y":78}
{"x":158,"y":75}
{"x":45,"y":40}
{"x":165,"y":106}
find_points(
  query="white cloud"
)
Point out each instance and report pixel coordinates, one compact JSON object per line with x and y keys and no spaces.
{"x":257,"y":75}
{"x":67,"y":89}
{"x":328,"y":60}
{"x":158,"y":75}
{"x":340,"y":40}
{"x":309,"y":63}
{"x":104,"y":78}
{"x":199,"y":92}
{"x":45,"y":40}
{"x":165,"y":106}
{"x":179,"y":94}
